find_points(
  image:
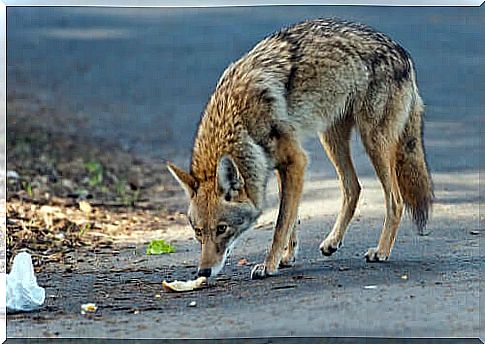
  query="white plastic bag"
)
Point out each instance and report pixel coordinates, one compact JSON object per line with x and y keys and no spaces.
{"x":23,"y":293}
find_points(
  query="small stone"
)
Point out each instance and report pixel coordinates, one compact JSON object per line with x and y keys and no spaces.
{"x":59,"y":236}
{"x":12,"y":175}
{"x":370,"y":287}
{"x":192,"y":304}
{"x":67,"y":183}
{"x":242,"y":261}
{"x":404,"y":277}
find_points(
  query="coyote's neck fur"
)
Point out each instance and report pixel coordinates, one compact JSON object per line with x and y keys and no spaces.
{"x":224,"y":130}
{"x":238,"y":119}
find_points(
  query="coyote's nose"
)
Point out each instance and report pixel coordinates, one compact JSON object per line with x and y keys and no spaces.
{"x":204,"y":272}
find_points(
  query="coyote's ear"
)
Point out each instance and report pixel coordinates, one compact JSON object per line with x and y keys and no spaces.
{"x":228,"y":177}
{"x":185,"y":179}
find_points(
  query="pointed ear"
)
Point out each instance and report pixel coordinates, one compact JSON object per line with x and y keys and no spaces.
{"x":188,"y":183}
{"x":228,"y":177}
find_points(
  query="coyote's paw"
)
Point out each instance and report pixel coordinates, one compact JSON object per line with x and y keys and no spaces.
{"x":373,"y":255}
{"x":287,"y":262}
{"x":289,"y":257}
{"x":258,"y":272}
{"x":330,"y":246}
{"x":261,"y":271}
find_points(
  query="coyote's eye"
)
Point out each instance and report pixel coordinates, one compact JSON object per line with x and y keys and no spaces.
{"x":221,"y":229}
{"x":198,"y":231}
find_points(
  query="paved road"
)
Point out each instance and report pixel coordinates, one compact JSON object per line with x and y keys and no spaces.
{"x":140,"y":77}
{"x":143,"y":76}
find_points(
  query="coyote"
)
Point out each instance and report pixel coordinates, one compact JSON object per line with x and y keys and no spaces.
{"x":322,"y":77}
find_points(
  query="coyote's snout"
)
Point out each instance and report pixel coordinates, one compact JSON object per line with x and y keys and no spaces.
{"x":321,"y":77}
{"x":219,"y":212}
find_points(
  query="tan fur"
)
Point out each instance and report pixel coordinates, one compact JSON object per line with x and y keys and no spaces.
{"x":321,"y":77}
{"x":412,"y":171}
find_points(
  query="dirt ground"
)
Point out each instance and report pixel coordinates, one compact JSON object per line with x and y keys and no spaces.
{"x":85,"y":197}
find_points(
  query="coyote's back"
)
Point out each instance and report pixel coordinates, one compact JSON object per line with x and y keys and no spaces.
{"x":320,"y":77}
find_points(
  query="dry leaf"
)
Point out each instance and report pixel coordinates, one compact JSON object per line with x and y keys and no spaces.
{"x":85,"y":207}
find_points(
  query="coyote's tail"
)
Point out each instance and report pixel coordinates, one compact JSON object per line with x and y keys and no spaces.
{"x":412,"y":172}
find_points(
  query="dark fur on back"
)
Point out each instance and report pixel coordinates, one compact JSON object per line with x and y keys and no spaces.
{"x":381,"y":55}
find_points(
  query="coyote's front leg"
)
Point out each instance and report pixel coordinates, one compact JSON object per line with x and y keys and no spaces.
{"x":291,"y":163}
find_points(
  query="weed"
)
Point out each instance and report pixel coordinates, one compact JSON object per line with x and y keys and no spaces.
{"x":128,"y":198}
{"x":84,"y":229}
{"x":28,"y":187}
{"x":95,"y":171}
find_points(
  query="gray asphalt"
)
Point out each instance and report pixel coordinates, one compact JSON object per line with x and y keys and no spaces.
{"x":141,"y":77}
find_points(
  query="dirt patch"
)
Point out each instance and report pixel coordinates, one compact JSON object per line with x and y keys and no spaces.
{"x":67,"y":193}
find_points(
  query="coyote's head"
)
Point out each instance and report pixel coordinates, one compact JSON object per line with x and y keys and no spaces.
{"x":219,"y":212}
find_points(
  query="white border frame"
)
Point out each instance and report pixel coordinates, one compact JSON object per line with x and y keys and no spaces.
{"x":150,"y":3}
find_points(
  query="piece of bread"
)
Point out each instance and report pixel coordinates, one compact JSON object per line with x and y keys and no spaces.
{"x":180,"y":286}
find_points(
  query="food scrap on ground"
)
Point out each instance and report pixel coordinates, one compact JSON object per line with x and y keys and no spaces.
{"x":88,"y":308}
{"x":181,"y":286}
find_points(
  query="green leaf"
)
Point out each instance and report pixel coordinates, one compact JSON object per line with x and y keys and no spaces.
{"x":93,"y":167}
{"x":159,"y":247}
{"x":95,"y":171}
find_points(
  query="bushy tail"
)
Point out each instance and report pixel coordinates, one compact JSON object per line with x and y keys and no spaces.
{"x":413,"y":176}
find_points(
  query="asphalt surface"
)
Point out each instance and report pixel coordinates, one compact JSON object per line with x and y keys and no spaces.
{"x":141,"y":77}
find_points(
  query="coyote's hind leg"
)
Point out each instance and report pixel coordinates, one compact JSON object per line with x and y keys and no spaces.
{"x":336,"y":142}
{"x":382,"y":154}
